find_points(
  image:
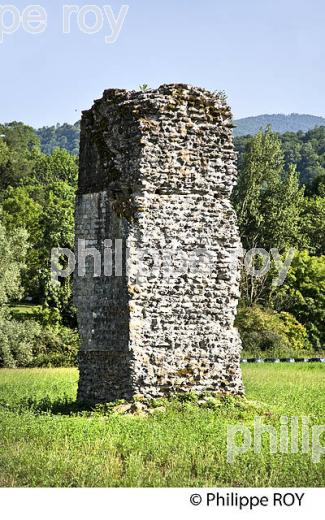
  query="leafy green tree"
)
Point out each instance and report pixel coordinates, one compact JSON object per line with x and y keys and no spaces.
{"x":15,"y":338}
{"x":57,"y":222}
{"x":305,"y":150}
{"x":59,"y":166}
{"x":313,"y":224}
{"x":18,"y":144}
{"x":267,"y":199}
{"x":5,"y":163}
{"x":15,"y":167}
{"x":44,"y":205}
{"x":310,"y":166}
{"x":282,"y":209}
{"x":13,"y":255}
{"x":20,"y":209}
{"x":269,"y":202}
{"x":303,"y":295}
{"x":291,"y":145}
{"x":19,"y":137}
{"x":271,"y":333}
{"x":57,"y":225}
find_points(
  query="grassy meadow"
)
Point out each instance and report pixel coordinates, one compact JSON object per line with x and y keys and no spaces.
{"x":46,"y":441}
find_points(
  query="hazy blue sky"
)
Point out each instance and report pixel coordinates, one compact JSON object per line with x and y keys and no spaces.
{"x":268,"y":55}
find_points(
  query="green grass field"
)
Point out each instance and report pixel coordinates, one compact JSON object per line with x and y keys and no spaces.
{"x":46,"y":441}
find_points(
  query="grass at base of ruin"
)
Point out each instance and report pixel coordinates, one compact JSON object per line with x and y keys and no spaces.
{"x":181,"y":444}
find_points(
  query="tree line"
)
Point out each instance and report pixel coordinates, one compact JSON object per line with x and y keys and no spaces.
{"x":280,"y":203}
{"x":37,"y":194}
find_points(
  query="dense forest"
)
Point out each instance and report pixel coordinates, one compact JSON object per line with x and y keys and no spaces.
{"x":37,"y":193}
{"x":280,"y":202}
{"x":67,"y":136}
{"x":60,"y":136}
{"x":305,"y":150}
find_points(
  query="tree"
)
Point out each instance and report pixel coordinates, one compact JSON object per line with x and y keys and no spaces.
{"x":267,"y":199}
{"x":21,"y":210}
{"x":43,"y":203}
{"x":269,"y":202}
{"x":270,"y":332}
{"x":59,"y":166}
{"x":306,"y":150}
{"x":303,"y":295}
{"x":310,"y":166}
{"x":60,"y":136}
{"x":57,"y":225}
{"x":282,"y":209}
{"x":18,"y":143}
{"x":5,"y":163}
{"x":20,"y":137}
{"x":313,"y":224}
{"x":13,"y":254}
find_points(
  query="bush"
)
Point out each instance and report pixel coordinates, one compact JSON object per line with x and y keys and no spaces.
{"x":271,"y":333}
{"x":29,"y":344}
{"x":303,"y":295}
{"x":56,"y":346}
{"x":51,"y":360}
{"x":17,"y":341}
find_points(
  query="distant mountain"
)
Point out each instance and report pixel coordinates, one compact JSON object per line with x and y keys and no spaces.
{"x":280,"y":123}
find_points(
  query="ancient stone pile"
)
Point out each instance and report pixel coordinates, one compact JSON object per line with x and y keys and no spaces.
{"x":156,"y":172}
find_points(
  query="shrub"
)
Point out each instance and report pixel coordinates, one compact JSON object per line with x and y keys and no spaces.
{"x":264,"y":331}
{"x":29,"y":344}
{"x":303,"y":295}
{"x":17,"y":341}
{"x":56,"y":346}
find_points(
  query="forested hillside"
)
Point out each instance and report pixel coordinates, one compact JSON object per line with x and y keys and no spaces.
{"x":280,"y":123}
{"x":60,"y":136}
{"x":305,"y":150}
{"x":303,"y":143}
{"x":280,"y":202}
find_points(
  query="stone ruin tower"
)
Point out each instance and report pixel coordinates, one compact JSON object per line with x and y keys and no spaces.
{"x":156,"y":172}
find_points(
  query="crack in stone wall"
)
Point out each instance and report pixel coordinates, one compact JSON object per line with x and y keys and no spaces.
{"x":156,"y":171}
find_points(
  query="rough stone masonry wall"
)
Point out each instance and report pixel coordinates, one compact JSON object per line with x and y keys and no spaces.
{"x":156,"y":170}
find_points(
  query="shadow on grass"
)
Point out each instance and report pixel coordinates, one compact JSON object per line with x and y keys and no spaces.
{"x":221,"y":404}
{"x":47,"y":406}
